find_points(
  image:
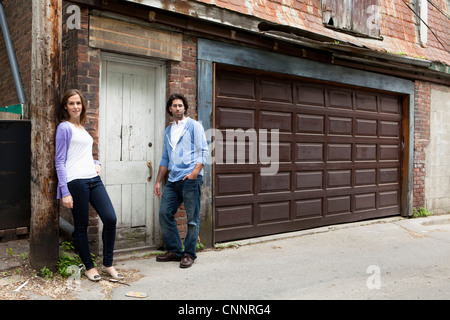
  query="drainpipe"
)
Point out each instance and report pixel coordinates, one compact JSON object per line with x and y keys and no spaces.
{"x":11,"y":55}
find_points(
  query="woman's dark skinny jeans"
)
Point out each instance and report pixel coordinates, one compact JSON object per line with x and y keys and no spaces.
{"x":85,"y":191}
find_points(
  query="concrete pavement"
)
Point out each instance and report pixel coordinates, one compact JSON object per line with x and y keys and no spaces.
{"x":392,"y":258}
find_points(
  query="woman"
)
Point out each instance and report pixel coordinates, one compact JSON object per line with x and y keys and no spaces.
{"x":79,"y":183}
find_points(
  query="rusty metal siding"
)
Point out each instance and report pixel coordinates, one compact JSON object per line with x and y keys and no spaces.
{"x":338,"y":13}
{"x":365,"y":17}
{"x":396,"y":21}
{"x":360,"y":16}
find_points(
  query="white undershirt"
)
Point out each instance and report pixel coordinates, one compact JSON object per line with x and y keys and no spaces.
{"x":176,"y":130}
{"x":80,"y":163}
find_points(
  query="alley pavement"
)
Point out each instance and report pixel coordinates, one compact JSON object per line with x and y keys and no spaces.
{"x":384,"y":259}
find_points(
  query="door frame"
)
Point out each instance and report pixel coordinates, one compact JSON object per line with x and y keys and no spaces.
{"x":160,"y":119}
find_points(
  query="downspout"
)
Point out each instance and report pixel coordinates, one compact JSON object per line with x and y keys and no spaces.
{"x":11,"y":55}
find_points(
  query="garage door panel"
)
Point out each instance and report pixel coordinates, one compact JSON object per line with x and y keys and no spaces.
{"x":310,"y":123}
{"x":366,"y":128}
{"x":365,"y":201}
{"x":278,"y":182}
{"x":238,"y":149}
{"x":226,"y":88}
{"x":366,"y":103}
{"x":308,"y":208}
{"x":339,"y":205}
{"x":276,"y":120}
{"x":235,"y":118}
{"x":310,"y":95}
{"x":339,"y":178}
{"x":390,"y":105}
{"x":285,"y":152}
{"x":339,"y":152}
{"x":389,"y":152}
{"x":307,"y":152}
{"x":365,"y":177}
{"x":234,"y":183}
{"x":389,"y":199}
{"x":389,"y":129}
{"x":388,"y":175}
{"x":309,"y":180}
{"x":340,"y":99}
{"x":233,"y":200}
{"x":366,"y":152}
{"x":340,"y":126}
{"x":300,"y":224}
{"x":276,"y":91}
{"x":278,"y":211}
{"x":234,"y":216}
{"x":339,"y":156}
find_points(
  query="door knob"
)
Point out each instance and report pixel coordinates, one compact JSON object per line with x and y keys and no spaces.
{"x":149,"y":165}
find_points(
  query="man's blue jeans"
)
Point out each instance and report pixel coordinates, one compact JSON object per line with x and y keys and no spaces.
{"x":85,"y":191}
{"x":173,"y":195}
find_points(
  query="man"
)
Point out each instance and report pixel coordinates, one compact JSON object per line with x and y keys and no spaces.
{"x":184,"y":155}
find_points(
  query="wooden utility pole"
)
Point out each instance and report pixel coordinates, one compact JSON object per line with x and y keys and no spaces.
{"x":45,"y":95}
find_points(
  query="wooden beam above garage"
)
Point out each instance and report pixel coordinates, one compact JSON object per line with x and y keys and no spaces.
{"x":114,"y":35}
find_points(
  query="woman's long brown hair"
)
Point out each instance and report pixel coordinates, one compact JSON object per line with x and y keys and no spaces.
{"x":64,"y":114}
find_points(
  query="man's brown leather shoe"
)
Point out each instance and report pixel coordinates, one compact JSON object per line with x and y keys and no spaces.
{"x":168,"y":256}
{"x":186,"y":261}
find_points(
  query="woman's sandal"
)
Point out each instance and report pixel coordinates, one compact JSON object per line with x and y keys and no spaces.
{"x":95,"y":277}
{"x":117,"y":276}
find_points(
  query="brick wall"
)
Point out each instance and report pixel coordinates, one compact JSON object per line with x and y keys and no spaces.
{"x":431,"y":149}
{"x":421,"y":139}
{"x":182,"y":78}
{"x":18,"y":15}
{"x":81,"y":70}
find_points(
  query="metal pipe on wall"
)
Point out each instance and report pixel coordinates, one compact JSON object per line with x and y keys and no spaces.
{"x":11,"y":55}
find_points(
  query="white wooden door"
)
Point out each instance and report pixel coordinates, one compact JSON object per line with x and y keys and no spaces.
{"x":131,"y":130}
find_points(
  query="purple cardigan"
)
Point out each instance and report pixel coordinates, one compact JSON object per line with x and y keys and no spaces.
{"x":62,"y":142}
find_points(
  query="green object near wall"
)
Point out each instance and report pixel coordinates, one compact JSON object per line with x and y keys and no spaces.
{"x":17,"y":109}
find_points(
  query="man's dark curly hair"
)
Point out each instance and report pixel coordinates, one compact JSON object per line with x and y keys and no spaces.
{"x":175,"y":96}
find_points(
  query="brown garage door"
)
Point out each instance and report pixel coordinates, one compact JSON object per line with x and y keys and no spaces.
{"x":339,"y":152}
